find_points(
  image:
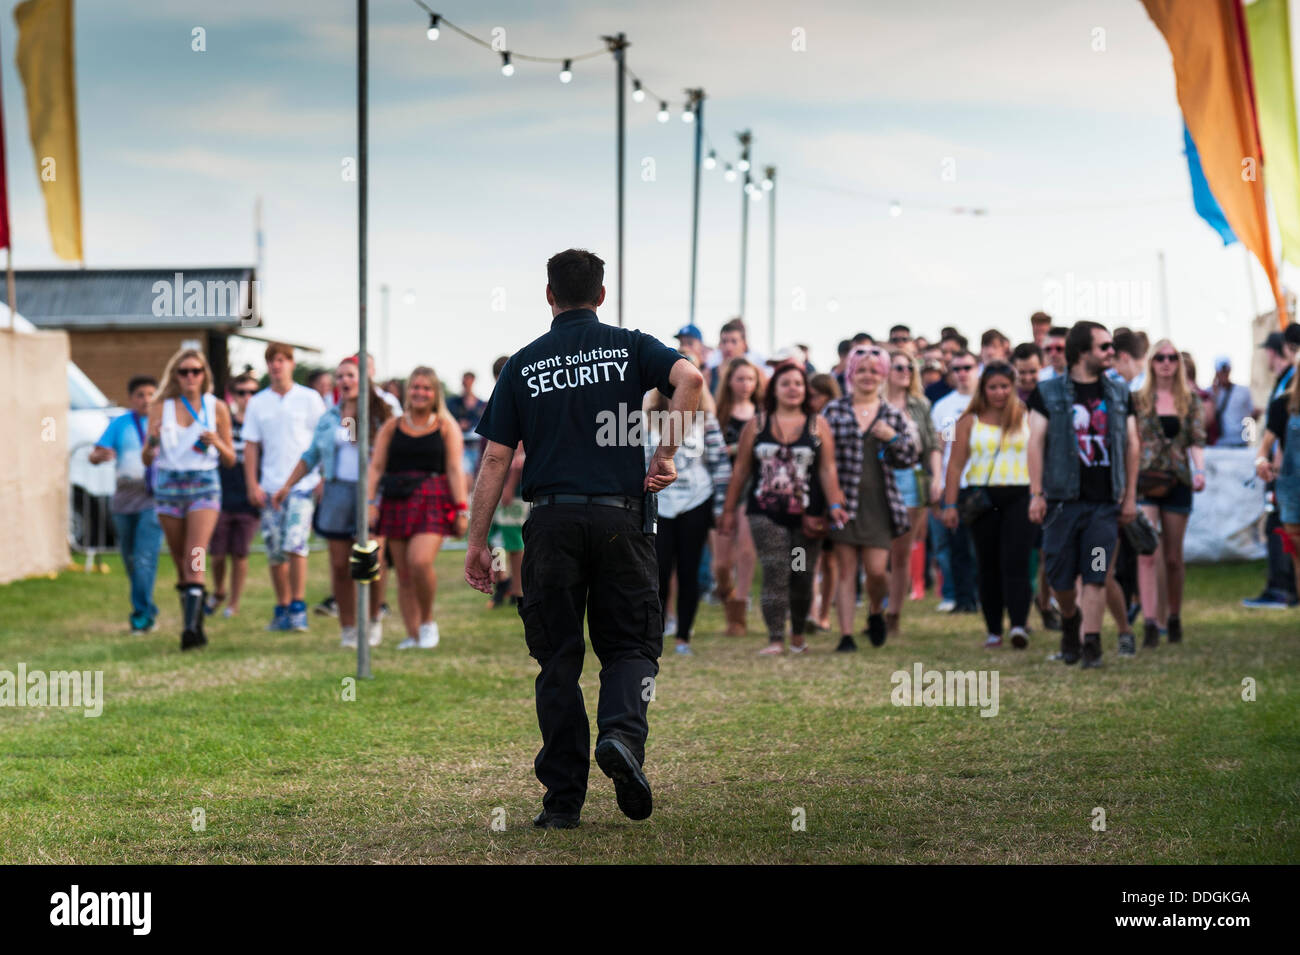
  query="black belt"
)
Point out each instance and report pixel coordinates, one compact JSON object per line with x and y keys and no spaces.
{"x":602,"y":500}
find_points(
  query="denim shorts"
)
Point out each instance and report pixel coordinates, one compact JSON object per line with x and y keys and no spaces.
{"x":179,"y":492}
{"x":908,"y":487}
{"x":1177,"y":501}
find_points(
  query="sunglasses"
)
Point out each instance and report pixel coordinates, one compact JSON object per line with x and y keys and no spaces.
{"x":1053,"y":348}
{"x":1109,"y":346}
{"x":900,"y":340}
{"x":1165,"y":357}
{"x":245,"y":392}
{"x":189,"y":372}
{"x":961,"y":368}
{"x":903,"y":368}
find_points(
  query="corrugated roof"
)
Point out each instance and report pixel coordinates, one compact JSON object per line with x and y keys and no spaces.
{"x":129,"y":298}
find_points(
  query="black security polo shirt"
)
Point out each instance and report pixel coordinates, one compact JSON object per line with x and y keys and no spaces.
{"x":573,"y":397}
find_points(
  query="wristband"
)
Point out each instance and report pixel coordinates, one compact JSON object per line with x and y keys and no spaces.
{"x":949,"y":507}
{"x":1037,"y":494}
{"x":835,"y":506}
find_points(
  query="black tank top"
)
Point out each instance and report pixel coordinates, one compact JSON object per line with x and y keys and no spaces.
{"x":426,"y":453}
{"x":783,"y":474}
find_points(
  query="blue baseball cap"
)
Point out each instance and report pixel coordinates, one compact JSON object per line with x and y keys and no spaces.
{"x":689,"y":331}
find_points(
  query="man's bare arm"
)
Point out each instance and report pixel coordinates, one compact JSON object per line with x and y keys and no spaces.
{"x":487,"y":490}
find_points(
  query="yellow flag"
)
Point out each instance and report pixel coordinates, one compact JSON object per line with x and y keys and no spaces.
{"x":46,"y":65}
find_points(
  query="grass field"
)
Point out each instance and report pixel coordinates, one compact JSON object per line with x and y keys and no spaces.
{"x":253,"y":731}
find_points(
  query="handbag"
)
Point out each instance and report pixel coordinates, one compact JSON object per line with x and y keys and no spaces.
{"x":398,"y":487}
{"x":974,"y":502}
{"x":1155,"y":483}
{"x":1141,"y":535}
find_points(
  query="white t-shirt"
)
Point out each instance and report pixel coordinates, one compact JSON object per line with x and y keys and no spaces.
{"x":392,"y":402}
{"x":283,"y":425}
{"x":945,"y":413}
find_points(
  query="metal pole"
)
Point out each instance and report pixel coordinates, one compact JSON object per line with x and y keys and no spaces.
{"x":617,"y":44}
{"x":363,"y":395}
{"x":745,"y":140}
{"x":769,"y":174}
{"x":697,"y":97}
{"x":1164,"y":296}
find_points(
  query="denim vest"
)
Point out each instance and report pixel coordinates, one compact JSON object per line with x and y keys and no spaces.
{"x":1061,"y":454}
{"x":1288,"y":478}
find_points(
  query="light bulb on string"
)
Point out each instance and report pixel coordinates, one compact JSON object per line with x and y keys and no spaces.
{"x":638,"y":94}
{"x":688,"y":113}
{"x":730,"y":174}
{"x":433,"y":27}
{"x":756,"y":194}
{"x":711,"y":160}
{"x":507,"y":68}
{"x":663,"y":112}
{"x":566,"y":74}
{"x":743,"y":165}
{"x":768,"y":184}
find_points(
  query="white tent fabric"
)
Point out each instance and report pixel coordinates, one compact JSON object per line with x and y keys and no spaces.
{"x":1228,"y":516}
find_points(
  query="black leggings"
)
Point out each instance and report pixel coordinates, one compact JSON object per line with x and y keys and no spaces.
{"x":1003,"y":539}
{"x":679,"y":543}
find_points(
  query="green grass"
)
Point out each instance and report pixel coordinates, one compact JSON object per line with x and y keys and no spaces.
{"x":253,"y":731}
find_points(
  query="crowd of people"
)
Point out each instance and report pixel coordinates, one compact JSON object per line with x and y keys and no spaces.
{"x":1055,"y":475}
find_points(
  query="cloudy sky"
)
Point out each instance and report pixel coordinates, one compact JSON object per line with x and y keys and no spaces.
{"x":1058,"y":118}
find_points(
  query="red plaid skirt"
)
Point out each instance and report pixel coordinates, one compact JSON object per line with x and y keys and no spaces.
{"x":429,"y":510}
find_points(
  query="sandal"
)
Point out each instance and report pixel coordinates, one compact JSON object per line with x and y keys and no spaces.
{"x":773,"y":649}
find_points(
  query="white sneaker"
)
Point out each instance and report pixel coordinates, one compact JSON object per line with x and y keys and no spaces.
{"x":670,"y":628}
{"x":428,"y":635}
{"x":375,"y":632}
{"x":408,"y":643}
{"x":349,"y":638}
{"x":946,"y":606}
{"x":1019,"y":637}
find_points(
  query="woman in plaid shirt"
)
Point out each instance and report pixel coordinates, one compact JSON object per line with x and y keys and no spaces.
{"x":872,"y":440}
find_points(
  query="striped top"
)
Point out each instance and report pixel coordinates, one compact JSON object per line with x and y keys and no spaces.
{"x":1012,"y":464}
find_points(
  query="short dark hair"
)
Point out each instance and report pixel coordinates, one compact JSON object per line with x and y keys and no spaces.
{"x":1291,"y":334}
{"x":140,"y":381}
{"x":862,"y":337}
{"x":1058,"y":331}
{"x":735,"y":325}
{"x":899,"y":328}
{"x":498,"y":365}
{"x":1128,"y":343}
{"x":575,"y":277}
{"x":1026,"y":350}
{"x":1040,"y":318}
{"x":957,"y":337}
{"x":992,"y":337}
{"x":244,"y":377}
{"x":316,"y":376}
{"x":948,"y":331}
{"x":845,"y":345}
{"x":1079,"y":340}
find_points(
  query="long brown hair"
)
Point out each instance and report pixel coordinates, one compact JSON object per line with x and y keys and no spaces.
{"x":171,"y":383}
{"x":379,"y":412}
{"x":726,"y":399}
{"x":1146,"y":396}
{"x":1013,"y":415}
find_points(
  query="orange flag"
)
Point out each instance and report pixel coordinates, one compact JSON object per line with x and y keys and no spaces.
{"x":1212,"y":69}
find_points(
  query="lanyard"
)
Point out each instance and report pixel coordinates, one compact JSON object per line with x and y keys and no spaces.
{"x":200,"y":418}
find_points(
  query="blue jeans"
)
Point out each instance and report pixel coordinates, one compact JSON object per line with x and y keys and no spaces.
{"x":952,"y":551}
{"x":139,"y":537}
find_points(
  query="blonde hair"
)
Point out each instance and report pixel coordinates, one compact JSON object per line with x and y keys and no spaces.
{"x":914,"y":387}
{"x":439,"y":392}
{"x":1146,"y":396}
{"x":725,"y":399}
{"x":171,"y":384}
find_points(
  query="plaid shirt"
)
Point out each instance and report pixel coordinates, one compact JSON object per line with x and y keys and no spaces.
{"x":899,"y":453}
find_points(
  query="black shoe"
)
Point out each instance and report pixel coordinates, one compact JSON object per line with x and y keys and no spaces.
{"x":1127,"y":644}
{"x":192,"y":634}
{"x":1051,"y":618}
{"x":327,"y":608}
{"x":499,"y":592}
{"x":1070,"y":638}
{"x":1150,"y":635}
{"x":846,"y":645}
{"x":550,"y":820}
{"x":1092,"y":653}
{"x":630,"y":785}
{"x":876,"y":629}
{"x":1175,"y":628}
{"x":966,"y":608}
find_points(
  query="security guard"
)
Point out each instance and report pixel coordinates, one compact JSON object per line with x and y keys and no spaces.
{"x":574,"y":398}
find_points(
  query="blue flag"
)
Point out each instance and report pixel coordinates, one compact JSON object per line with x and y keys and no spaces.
{"x":1207,"y":207}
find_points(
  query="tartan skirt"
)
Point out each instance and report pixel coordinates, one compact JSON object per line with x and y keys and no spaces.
{"x":429,"y":510}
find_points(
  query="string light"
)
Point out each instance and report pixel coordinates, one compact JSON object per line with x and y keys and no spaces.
{"x":507,"y":68}
{"x":711,"y":160}
{"x":663,"y":112}
{"x":688,"y":113}
{"x":566,"y":74}
{"x":638,"y":94}
{"x":433,"y":26}
{"x":730,"y":174}
{"x":743,"y":165}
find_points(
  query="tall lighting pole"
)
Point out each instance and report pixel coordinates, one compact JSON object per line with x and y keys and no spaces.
{"x":769,"y":186}
{"x":617,"y":44}
{"x":745,"y":140}
{"x":363,"y":396}
{"x":695,"y":104}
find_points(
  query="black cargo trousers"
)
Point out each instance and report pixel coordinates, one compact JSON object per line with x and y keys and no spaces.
{"x":592,"y":559}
